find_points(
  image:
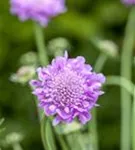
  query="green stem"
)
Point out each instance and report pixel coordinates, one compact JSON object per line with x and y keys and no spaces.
{"x":17,"y":146}
{"x":126,"y":72}
{"x":46,"y":128}
{"x":74,"y":142}
{"x":49,"y":135}
{"x":43,"y":121}
{"x":42,"y":124}
{"x":39,"y":111}
{"x":39,"y":36}
{"x":93,"y":124}
{"x":100,"y":62}
{"x":128,"y":86}
{"x":93,"y":130}
{"x":62,"y":142}
{"x":122,"y":82}
{"x":133,"y":122}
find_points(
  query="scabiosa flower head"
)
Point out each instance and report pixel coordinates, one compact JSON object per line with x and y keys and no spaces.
{"x":68,"y":88}
{"x":128,"y":2}
{"x":37,"y":10}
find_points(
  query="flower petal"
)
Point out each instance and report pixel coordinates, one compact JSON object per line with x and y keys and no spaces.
{"x":85,"y":117}
{"x":56,"y":120}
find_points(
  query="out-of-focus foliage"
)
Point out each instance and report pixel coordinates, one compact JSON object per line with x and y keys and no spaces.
{"x":85,"y":20}
{"x":1,"y":123}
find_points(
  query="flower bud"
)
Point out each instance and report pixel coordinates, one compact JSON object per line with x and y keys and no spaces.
{"x":108,"y":47}
{"x":57,"y":46}
{"x":23,"y":75}
{"x":14,"y":138}
{"x":29,"y":58}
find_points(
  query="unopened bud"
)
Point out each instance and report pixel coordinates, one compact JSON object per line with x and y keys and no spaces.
{"x":57,"y":46}
{"x":29,"y":58}
{"x":108,"y":47}
{"x":14,"y":138}
{"x":23,"y":75}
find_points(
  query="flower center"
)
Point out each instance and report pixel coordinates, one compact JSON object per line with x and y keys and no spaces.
{"x":67,"y":87}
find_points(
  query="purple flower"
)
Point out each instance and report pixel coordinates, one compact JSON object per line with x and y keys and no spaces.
{"x":68,"y":89}
{"x":37,"y":10}
{"x":128,"y":2}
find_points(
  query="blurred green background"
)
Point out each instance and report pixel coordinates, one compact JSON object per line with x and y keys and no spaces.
{"x":85,"y":20}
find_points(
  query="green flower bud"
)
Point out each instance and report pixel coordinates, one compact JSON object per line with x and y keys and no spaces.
{"x":23,"y":75}
{"x":58,"y":46}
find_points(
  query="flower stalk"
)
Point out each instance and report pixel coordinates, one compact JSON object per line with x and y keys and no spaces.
{"x":39,"y":36}
{"x":126,"y":72}
{"x":122,"y":82}
{"x":17,"y":146}
{"x":43,"y":58}
{"x":133,"y":121}
{"x":93,"y":124}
